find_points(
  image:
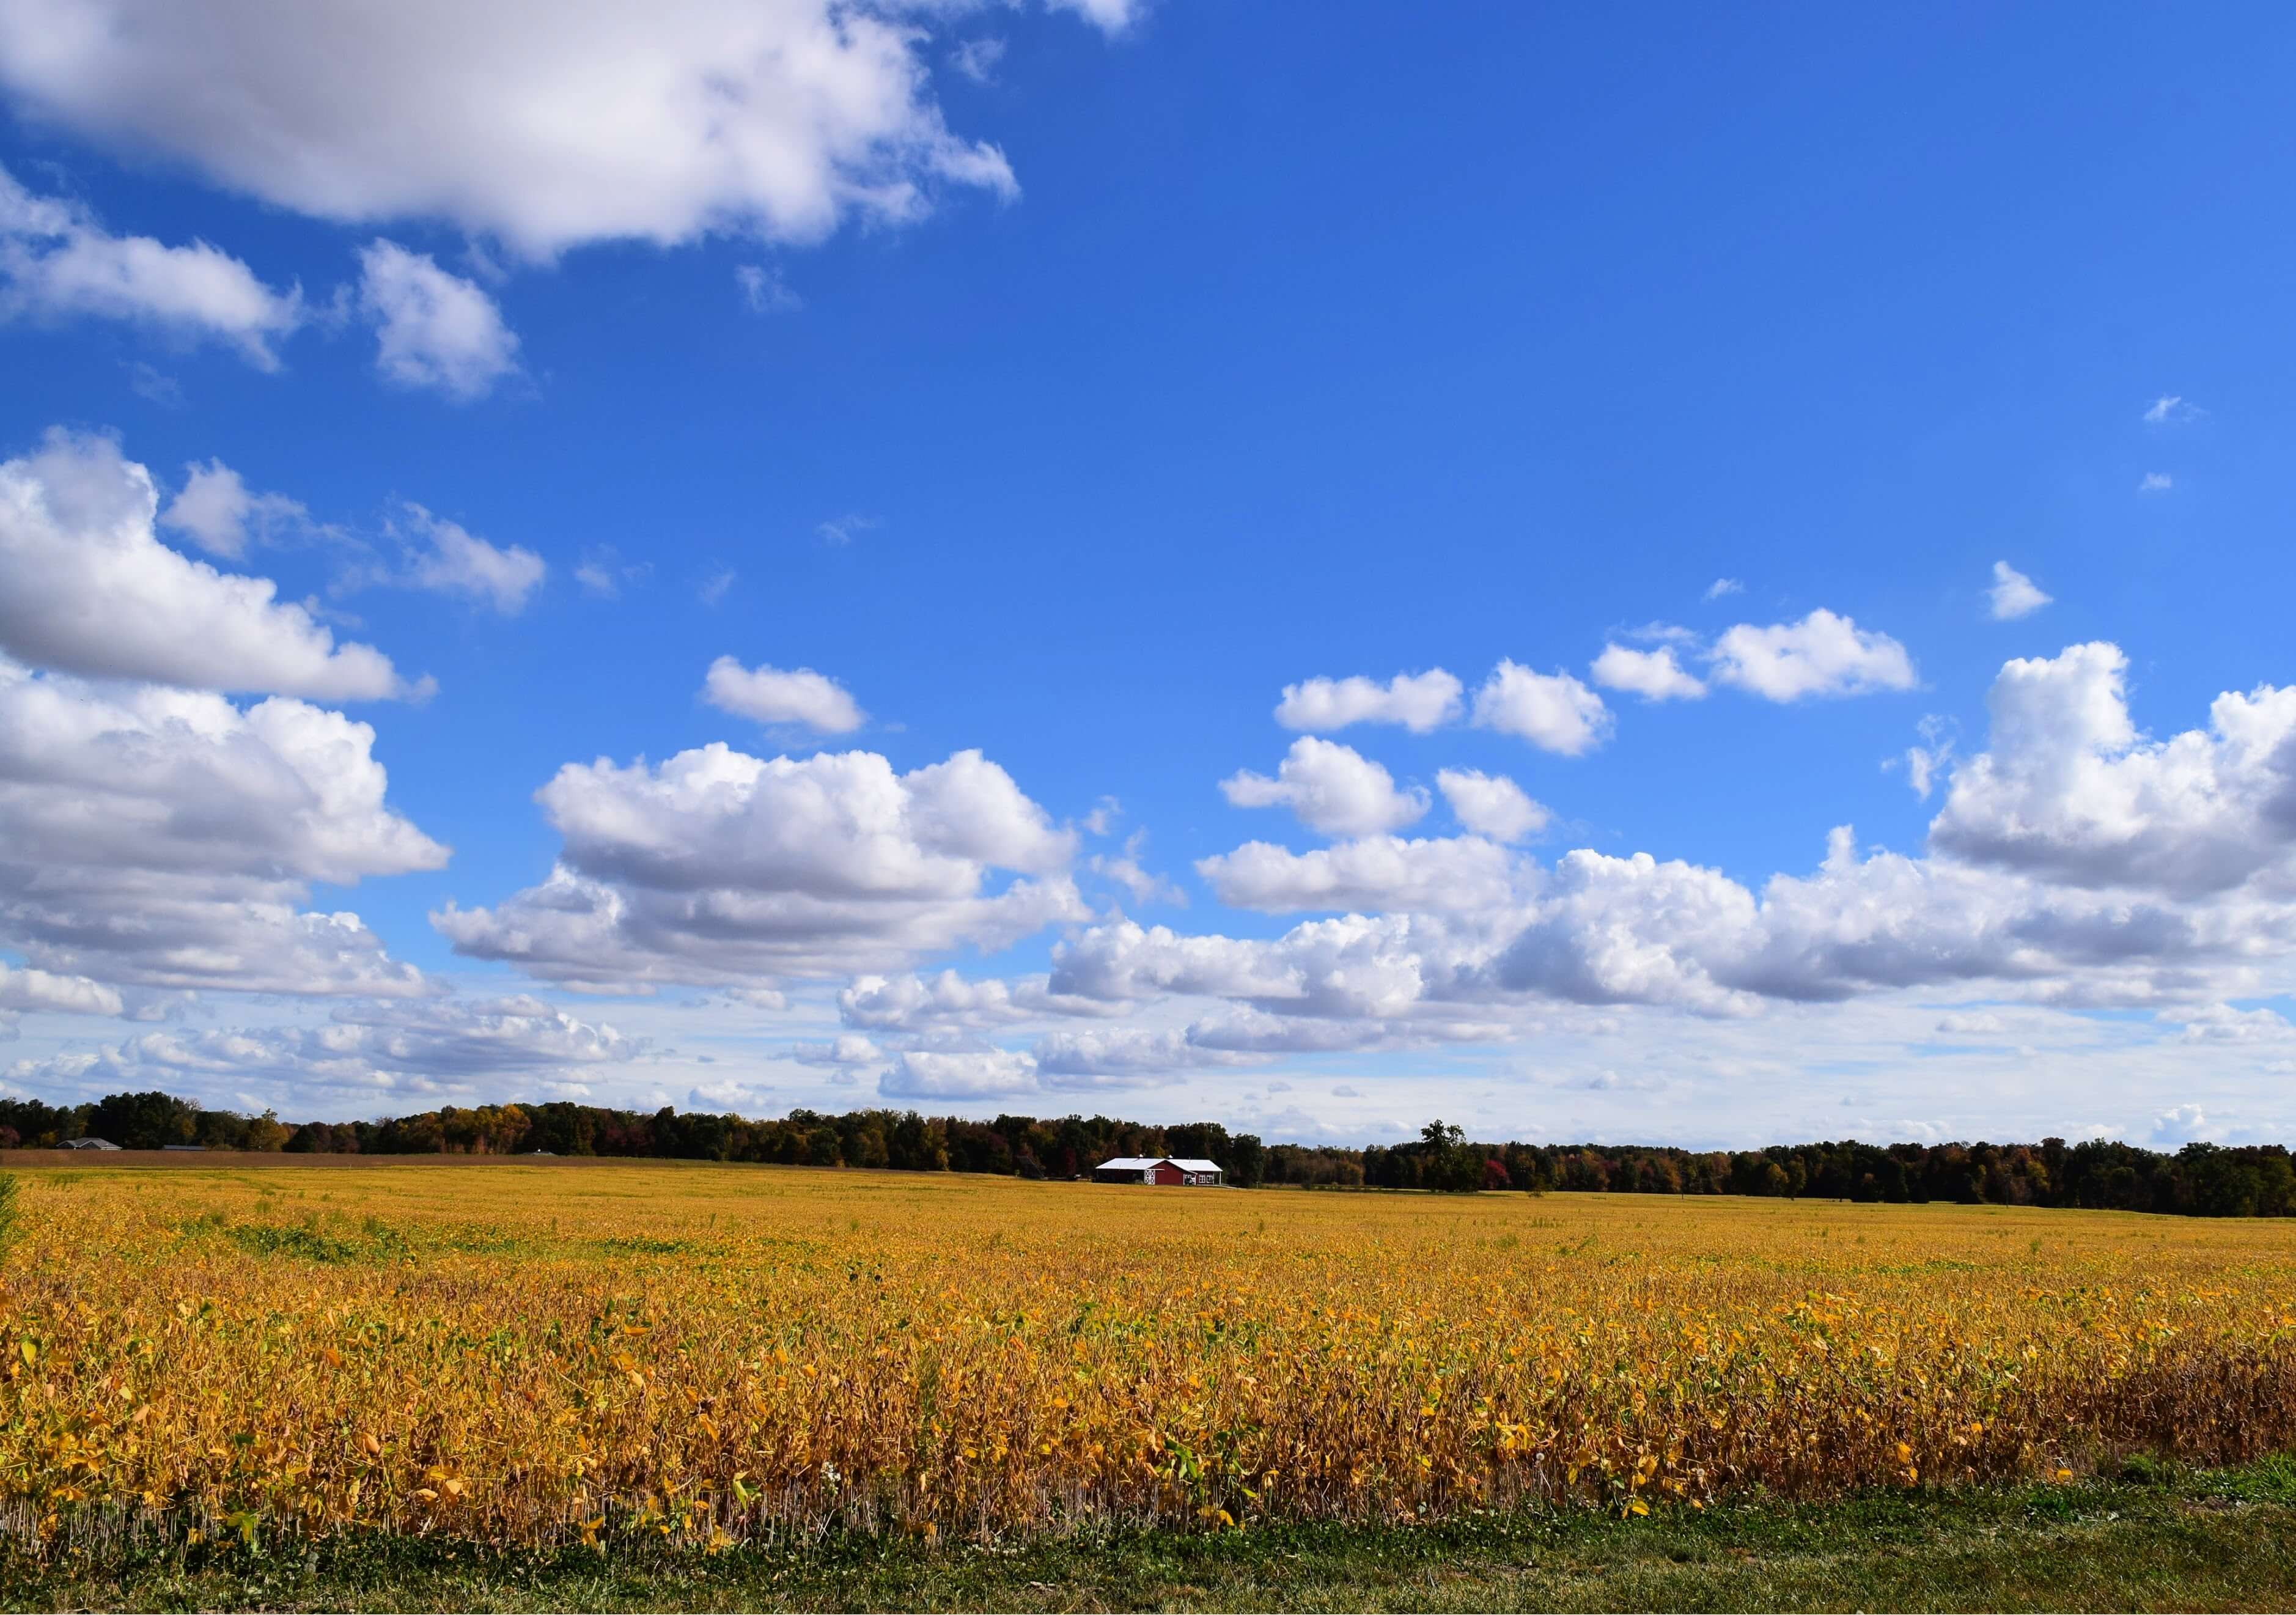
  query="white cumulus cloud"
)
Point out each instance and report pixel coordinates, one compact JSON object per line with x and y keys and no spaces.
{"x":86,"y":587}
{"x":1419,"y":701}
{"x":57,"y":262}
{"x":718,"y":868}
{"x":2071,"y":792}
{"x":434,"y":331}
{"x":1654,"y":675}
{"x":543,"y":126}
{"x":772,"y":695}
{"x":959,"y":1074}
{"x":1491,"y":804}
{"x":448,"y":559}
{"x":166,"y":838}
{"x":1822,"y":655}
{"x":38,"y":990}
{"x":1554,"y":711}
{"x":2012,"y":595}
{"x":217,"y":512}
{"x":1331,"y":788}
{"x":1426,"y":876}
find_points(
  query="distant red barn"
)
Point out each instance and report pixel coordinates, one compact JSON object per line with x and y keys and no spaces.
{"x":1167,"y":1170}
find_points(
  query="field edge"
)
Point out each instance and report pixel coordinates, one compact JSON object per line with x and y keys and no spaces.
{"x":2153,"y":1539}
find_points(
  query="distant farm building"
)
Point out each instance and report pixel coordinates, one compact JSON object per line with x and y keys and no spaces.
{"x":1167,"y":1169}
{"x":89,"y":1143}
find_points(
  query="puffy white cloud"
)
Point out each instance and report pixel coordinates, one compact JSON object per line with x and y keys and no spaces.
{"x":1491,"y":804}
{"x":2012,"y":595}
{"x":1823,"y":654}
{"x":36,"y":990}
{"x":215,"y":511}
{"x":771,"y":695}
{"x":907,"y":1003}
{"x":542,"y":126}
{"x":1419,"y":701}
{"x":1331,"y":788}
{"x":1653,"y":675}
{"x":365,"y":1050}
{"x":718,"y":867}
{"x":1554,"y":711}
{"x":434,"y":329}
{"x":1430,"y":876}
{"x":86,"y":587}
{"x":2070,"y":791}
{"x":165,"y":837}
{"x":1627,"y":930}
{"x":57,"y":262}
{"x":2168,"y":408}
{"x":1352,"y":967}
{"x":448,"y":559}
{"x":2155,"y":482}
{"x":959,"y":1074}
{"x":1722,"y":587}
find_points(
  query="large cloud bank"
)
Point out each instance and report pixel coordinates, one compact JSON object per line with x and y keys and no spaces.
{"x":2075,"y":862}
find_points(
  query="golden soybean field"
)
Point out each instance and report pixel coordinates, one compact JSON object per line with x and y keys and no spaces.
{"x":549,"y":1353}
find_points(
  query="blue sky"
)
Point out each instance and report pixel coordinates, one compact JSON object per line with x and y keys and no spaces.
{"x":1063,"y":383}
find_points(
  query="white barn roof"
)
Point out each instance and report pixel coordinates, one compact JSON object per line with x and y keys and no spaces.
{"x":1140,"y":1163}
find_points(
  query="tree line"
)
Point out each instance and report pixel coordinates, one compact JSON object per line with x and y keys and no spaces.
{"x":2200,"y":1179}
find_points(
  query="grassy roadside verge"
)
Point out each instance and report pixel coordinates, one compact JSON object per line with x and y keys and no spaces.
{"x":2177,"y":1540}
